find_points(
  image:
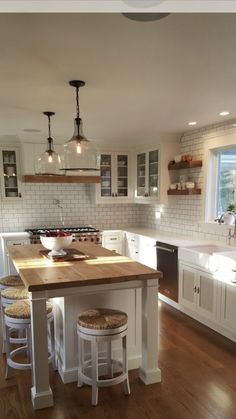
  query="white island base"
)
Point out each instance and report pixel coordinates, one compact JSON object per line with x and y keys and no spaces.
{"x":130,"y":301}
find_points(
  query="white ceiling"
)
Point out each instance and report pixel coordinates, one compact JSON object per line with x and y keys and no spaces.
{"x":145,"y":81}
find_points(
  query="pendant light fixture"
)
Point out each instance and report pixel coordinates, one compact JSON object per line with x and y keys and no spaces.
{"x":79,"y":153}
{"x":49,"y":162}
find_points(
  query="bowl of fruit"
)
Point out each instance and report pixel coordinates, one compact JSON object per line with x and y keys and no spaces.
{"x":56,"y":242}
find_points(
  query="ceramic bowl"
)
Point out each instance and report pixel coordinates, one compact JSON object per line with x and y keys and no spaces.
{"x":56,"y":244}
{"x":178,"y":158}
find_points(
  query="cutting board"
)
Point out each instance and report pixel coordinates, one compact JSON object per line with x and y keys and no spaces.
{"x":71,"y":255}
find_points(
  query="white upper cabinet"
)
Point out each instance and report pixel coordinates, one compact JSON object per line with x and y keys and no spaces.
{"x":10,"y":173}
{"x":115,"y":178}
{"x":147,"y":185}
{"x":152,"y":175}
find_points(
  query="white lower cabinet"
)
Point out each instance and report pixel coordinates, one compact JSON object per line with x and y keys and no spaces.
{"x":17,"y":240}
{"x":132,"y":244}
{"x":147,"y":252}
{"x":136,"y":247}
{"x":113,"y":240}
{"x":198,"y":291}
{"x":228,"y":306}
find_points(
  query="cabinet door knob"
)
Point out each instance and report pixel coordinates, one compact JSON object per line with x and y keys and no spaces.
{"x":112,"y":194}
{"x":198,"y":290}
{"x":195,"y":289}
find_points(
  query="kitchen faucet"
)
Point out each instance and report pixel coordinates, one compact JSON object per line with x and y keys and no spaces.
{"x":230,"y":234}
{"x":57,"y":203}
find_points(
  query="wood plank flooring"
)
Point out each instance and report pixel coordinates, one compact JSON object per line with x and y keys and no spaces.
{"x":198,"y":382}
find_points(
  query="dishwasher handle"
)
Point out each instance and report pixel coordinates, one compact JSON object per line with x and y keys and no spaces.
{"x":166,"y":249}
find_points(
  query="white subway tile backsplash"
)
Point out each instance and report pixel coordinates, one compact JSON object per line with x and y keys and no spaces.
{"x":183,"y":214}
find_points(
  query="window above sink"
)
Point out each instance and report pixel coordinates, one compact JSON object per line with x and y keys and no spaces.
{"x":219,"y":179}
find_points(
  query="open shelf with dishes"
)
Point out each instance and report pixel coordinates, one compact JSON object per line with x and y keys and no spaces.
{"x":185,"y":165}
{"x":192,"y":191}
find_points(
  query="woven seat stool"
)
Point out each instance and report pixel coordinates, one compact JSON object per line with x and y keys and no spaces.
{"x":9,"y":296}
{"x":17,"y":316}
{"x":102,"y":325}
{"x":10,"y":281}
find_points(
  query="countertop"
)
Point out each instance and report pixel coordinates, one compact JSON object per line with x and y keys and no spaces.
{"x":171,"y":238}
{"x":174,"y":239}
{"x":103,"y":267}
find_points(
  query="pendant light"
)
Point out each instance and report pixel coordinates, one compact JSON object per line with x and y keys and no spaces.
{"x":49,"y":162}
{"x":79,"y":153}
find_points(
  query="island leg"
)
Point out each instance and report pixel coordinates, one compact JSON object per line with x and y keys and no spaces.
{"x":149,"y":372}
{"x":41,"y":393}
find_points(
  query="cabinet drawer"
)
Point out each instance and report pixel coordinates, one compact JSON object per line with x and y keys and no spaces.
{"x":115,"y":247}
{"x":17,"y":242}
{"x":132,"y":239}
{"x":113,"y":238}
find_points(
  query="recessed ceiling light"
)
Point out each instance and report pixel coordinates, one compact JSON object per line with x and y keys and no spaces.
{"x":192,"y":123}
{"x":224,"y":113}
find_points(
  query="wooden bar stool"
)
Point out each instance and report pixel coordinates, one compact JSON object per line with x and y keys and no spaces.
{"x":17,"y":316}
{"x":9,"y":296}
{"x":102,"y":325}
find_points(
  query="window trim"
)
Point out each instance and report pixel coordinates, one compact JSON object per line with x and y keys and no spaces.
{"x":212,"y":147}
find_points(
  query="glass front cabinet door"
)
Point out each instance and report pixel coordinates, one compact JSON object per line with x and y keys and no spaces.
{"x":10,"y":185}
{"x":115,"y":178}
{"x":147,"y":187}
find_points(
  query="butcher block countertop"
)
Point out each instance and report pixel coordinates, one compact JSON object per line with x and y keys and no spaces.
{"x":103,"y":267}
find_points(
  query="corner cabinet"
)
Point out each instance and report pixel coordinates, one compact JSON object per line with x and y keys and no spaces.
{"x":152,"y":175}
{"x":148,"y":174}
{"x":115,"y":183}
{"x":10,"y":173}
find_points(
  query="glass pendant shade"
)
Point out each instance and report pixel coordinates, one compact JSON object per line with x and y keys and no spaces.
{"x":49,"y":162}
{"x":79,"y":153}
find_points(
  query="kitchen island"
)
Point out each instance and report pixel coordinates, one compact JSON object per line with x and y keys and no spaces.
{"x":105,"y":279}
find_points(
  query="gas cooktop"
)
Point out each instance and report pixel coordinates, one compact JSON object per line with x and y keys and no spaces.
{"x":43,"y":230}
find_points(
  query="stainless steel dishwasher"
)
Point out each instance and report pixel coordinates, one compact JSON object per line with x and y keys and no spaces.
{"x":167,"y":263}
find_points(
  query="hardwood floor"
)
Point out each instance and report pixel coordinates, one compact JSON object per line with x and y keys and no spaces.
{"x":198,"y":382}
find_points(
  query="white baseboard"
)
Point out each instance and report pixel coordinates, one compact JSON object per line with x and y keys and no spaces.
{"x":215,"y":326}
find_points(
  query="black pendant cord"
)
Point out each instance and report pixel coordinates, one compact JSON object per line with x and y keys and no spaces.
{"x":49,"y":140}
{"x":49,"y":136}
{"x":77,"y":103}
{"x":49,"y":126}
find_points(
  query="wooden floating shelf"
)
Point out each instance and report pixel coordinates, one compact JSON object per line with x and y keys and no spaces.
{"x":60,"y":179}
{"x":185,"y":165}
{"x":184,"y":192}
